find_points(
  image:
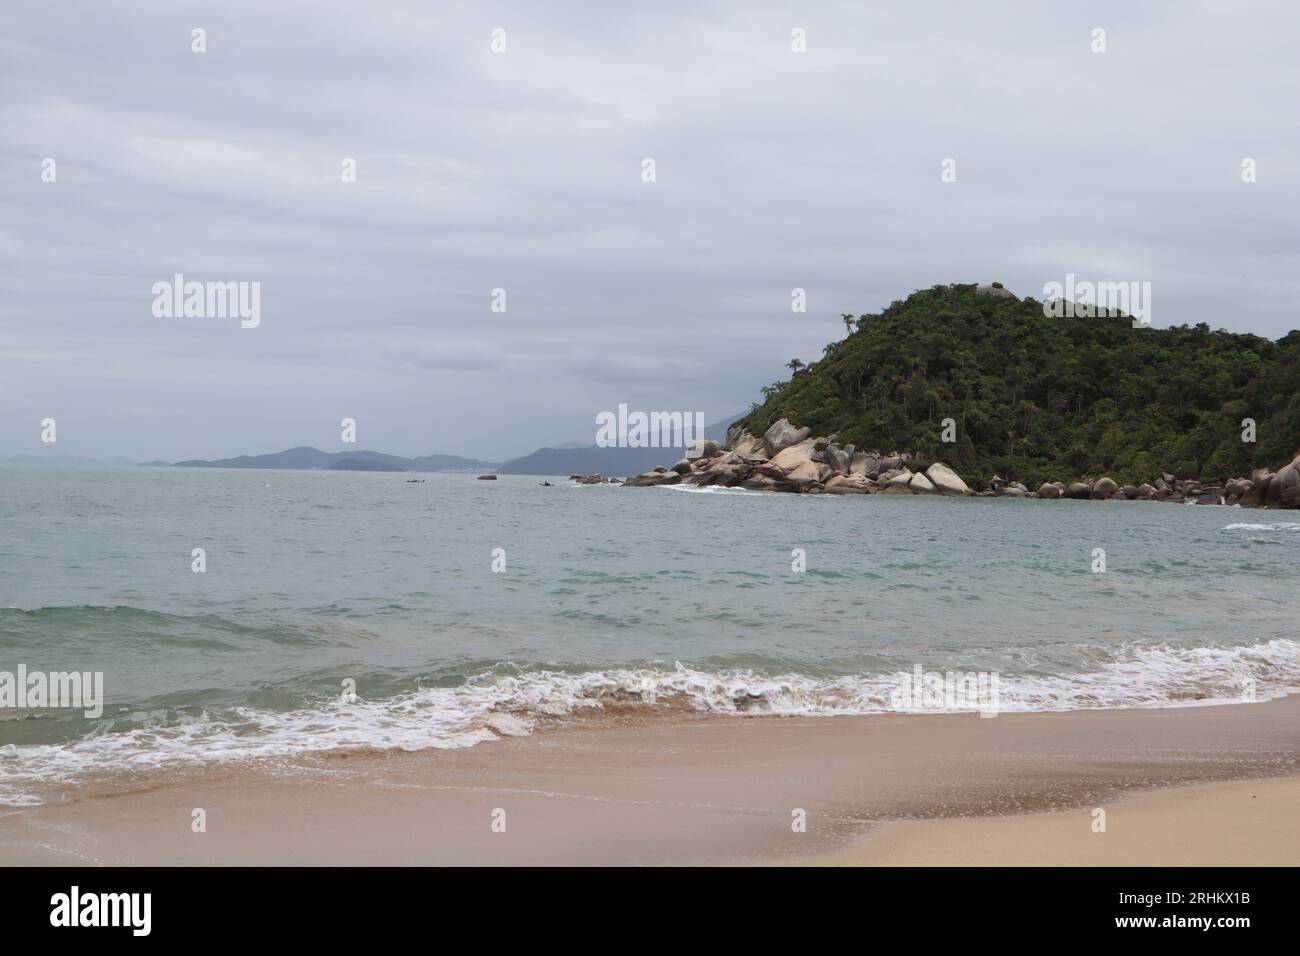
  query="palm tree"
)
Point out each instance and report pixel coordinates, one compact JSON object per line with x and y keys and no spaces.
{"x":794,"y":365}
{"x":848,"y":322}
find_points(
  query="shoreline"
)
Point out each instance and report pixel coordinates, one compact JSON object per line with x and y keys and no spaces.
{"x":707,"y":790}
{"x":790,"y":459}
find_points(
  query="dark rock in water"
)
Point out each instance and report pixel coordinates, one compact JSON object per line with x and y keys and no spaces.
{"x":1104,"y":487}
{"x":1284,"y":486}
{"x":1078,"y":489}
{"x":487,"y":477}
{"x":1237,"y":487}
{"x":651,"y":478}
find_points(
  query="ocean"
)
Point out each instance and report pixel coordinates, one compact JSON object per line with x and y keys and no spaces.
{"x":348,"y":610}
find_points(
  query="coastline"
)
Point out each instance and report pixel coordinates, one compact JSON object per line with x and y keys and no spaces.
{"x":694,"y":789}
{"x":788,"y":458}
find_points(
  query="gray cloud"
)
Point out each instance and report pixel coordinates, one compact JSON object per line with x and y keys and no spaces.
{"x":521,"y":170}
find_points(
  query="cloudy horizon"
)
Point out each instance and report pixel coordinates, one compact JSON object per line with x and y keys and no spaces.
{"x":522,"y":169}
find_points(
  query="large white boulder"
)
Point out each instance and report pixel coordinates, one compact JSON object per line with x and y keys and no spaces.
{"x":947,"y":481}
{"x":922,"y":485}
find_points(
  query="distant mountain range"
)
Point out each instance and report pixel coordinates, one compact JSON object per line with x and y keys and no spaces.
{"x":569,"y":458}
{"x":595,"y":460}
{"x":305,"y":457}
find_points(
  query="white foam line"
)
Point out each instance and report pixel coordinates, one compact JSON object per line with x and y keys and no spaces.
{"x":1279,"y":526}
{"x":490,"y":706}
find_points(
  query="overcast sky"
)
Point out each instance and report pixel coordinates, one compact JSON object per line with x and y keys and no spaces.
{"x":522,"y":170}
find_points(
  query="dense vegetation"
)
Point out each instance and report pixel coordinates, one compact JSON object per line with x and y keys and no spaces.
{"x":1038,"y":398}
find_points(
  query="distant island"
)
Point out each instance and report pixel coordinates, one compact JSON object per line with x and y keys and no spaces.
{"x":566,"y":459}
{"x":304,"y":458}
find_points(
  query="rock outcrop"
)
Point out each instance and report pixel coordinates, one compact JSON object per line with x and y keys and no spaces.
{"x":996,"y":289}
{"x":781,"y":436}
{"x":790,"y":459}
{"x":946,"y":481}
{"x":1104,"y":488}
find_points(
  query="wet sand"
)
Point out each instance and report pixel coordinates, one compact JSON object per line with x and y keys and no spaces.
{"x":721,"y":790}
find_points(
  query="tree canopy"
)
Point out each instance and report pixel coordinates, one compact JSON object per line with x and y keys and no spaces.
{"x":1037,"y":398}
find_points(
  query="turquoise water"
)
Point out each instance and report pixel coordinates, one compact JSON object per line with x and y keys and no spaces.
{"x":654,"y":596}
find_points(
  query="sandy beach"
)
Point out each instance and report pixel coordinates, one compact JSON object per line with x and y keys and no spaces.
{"x":683,"y":789}
{"x":1241,"y":823}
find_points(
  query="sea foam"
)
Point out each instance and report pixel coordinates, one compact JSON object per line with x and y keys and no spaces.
{"x":493,"y":705}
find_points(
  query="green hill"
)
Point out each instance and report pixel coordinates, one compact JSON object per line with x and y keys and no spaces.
{"x":1037,"y":398}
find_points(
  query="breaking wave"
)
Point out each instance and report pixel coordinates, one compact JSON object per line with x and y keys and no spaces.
{"x":1276,"y":526}
{"x":493,"y":705}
